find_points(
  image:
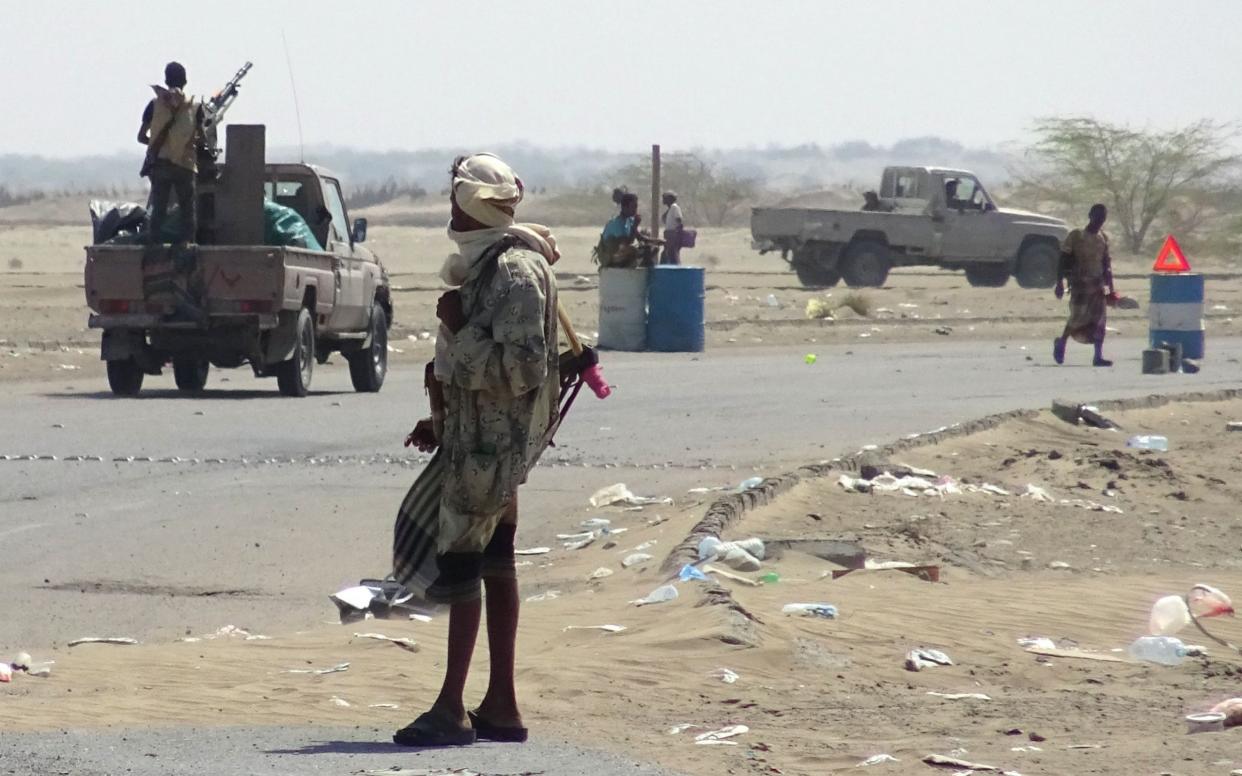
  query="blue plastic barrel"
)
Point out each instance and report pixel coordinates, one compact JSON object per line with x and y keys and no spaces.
{"x":675,"y":310}
{"x":1176,"y":312}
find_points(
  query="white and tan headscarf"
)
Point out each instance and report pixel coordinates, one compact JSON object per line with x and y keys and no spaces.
{"x":487,"y":190}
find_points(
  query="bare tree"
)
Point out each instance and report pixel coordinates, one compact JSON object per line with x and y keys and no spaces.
{"x":707,"y":193}
{"x":1140,"y":175}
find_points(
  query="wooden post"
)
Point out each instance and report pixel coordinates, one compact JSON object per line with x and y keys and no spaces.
{"x":655,"y":191}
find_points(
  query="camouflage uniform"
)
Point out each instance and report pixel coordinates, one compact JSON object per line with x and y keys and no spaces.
{"x":501,"y":394}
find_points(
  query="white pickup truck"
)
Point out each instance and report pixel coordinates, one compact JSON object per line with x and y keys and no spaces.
{"x":923,"y":216}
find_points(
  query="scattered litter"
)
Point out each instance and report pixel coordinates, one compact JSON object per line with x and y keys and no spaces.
{"x":677,"y":729}
{"x":689,"y":572}
{"x":370,"y":598}
{"x":733,"y":577}
{"x":702,"y":491}
{"x":918,"y":659}
{"x":24,"y":663}
{"x":960,"y":696}
{"x":393,"y":706}
{"x":635,"y":559}
{"x":646,"y":545}
{"x":743,"y":555}
{"x":772,"y":301}
{"x":810,"y":358}
{"x":605,"y":628}
{"x":548,"y":595}
{"x":596,"y":523}
{"x":1210,"y":722}
{"x":1170,"y":614}
{"x":580,"y":543}
{"x":6,"y":673}
{"x":1035,"y":493}
{"x":877,"y":759}
{"x":533,"y":551}
{"x":944,"y":331}
{"x":827,"y":611}
{"x":335,"y":701}
{"x":658,"y":596}
{"x":1233,"y":425}
{"x":726,"y":675}
{"x":336,"y":669}
{"x":715,"y":742}
{"x":601,"y":572}
{"x":619,"y":494}
{"x":1148,"y":442}
{"x":721,"y":734}
{"x":405,"y":643}
{"x":103,"y":640}
{"x":1059,"y":565}
{"x":749,"y":484}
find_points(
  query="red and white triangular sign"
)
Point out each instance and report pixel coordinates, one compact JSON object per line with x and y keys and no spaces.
{"x":1171,"y":258}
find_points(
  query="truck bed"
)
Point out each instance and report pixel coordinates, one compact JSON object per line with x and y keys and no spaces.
{"x":237,"y":280}
{"x":778,"y":224}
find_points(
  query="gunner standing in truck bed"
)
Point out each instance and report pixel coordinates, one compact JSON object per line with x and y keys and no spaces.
{"x":170,"y":128}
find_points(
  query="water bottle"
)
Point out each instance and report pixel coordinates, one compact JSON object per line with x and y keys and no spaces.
{"x":1165,"y":650}
{"x":827,"y":611}
{"x":1149,"y":442}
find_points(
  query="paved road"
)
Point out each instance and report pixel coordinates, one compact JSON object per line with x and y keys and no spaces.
{"x":254,"y":490}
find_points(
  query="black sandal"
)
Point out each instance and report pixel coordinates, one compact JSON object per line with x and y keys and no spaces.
{"x":432,"y":730}
{"x":489,"y":732}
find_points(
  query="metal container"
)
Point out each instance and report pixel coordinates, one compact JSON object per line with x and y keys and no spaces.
{"x":675,"y":310}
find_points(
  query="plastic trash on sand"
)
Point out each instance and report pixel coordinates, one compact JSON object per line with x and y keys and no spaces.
{"x":620,"y":494}
{"x":1148,"y":442}
{"x":918,"y":659}
{"x":660,"y":595}
{"x":721,"y":734}
{"x":6,"y":673}
{"x":689,"y":573}
{"x":743,"y":555}
{"x":749,"y":484}
{"x":635,"y":559}
{"x":1165,"y":650}
{"x":1170,"y":614}
{"x":726,"y":675}
{"x":877,"y":759}
{"x":827,"y":611}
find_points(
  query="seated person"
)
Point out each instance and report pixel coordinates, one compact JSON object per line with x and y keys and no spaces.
{"x":621,"y":244}
{"x":872,"y":203}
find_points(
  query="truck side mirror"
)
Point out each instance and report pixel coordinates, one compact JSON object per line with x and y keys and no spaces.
{"x":360,"y":230}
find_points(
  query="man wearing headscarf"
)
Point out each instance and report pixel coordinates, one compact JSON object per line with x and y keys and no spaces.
{"x":673,"y":228}
{"x":495,"y":386}
{"x":170,"y":129}
{"x":1088,"y":267}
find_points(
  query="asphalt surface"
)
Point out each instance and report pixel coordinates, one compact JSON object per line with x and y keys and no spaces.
{"x":247,"y":493}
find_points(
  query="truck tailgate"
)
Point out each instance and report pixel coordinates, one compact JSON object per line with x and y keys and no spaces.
{"x":235,"y":279}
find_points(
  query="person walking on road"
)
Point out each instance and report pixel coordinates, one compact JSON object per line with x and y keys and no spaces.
{"x":170,"y":130}
{"x":1087,"y":265}
{"x":673,"y":228}
{"x":495,"y":380}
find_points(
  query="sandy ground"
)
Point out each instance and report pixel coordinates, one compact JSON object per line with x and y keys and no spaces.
{"x":817,"y":695}
{"x":752,"y":300}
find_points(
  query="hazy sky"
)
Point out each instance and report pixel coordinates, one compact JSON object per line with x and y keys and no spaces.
{"x":619,"y":75}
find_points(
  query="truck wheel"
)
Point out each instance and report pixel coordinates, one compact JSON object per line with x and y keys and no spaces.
{"x":125,"y":377}
{"x":988,"y":275}
{"x":190,"y":374}
{"x":293,"y":377}
{"x":813,"y":276}
{"x":1037,"y":266}
{"x":367,"y":368}
{"x":866,"y":263}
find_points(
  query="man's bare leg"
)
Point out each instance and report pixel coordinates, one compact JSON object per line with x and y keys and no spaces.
{"x":462,"y":633}
{"x":499,"y":706}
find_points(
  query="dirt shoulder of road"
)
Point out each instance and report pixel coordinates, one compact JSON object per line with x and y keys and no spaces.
{"x":1103,"y":531}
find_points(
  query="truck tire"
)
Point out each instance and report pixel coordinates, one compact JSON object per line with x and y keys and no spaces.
{"x":866,"y":264}
{"x":812,"y":276}
{"x":190,"y":374}
{"x":293,"y":376}
{"x":125,"y":377}
{"x":369,"y":367}
{"x":1037,"y":265}
{"x":987,"y":275}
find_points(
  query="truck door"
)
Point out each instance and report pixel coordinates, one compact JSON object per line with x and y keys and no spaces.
{"x":350,"y":312}
{"x":971,"y":228}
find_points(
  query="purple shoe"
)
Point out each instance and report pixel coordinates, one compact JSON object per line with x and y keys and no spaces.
{"x":1058,"y":351}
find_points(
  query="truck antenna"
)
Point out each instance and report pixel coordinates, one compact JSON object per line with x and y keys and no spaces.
{"x":297,"y":110}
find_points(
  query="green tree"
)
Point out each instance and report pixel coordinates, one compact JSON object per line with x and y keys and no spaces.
{"x":1142,"y":176}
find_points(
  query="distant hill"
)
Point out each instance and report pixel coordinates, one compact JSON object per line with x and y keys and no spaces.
{"x":800,"y":168}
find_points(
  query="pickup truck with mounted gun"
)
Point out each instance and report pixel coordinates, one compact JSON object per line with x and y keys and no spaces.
{"x":923,"y":216}
{"x":278,"y":307}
